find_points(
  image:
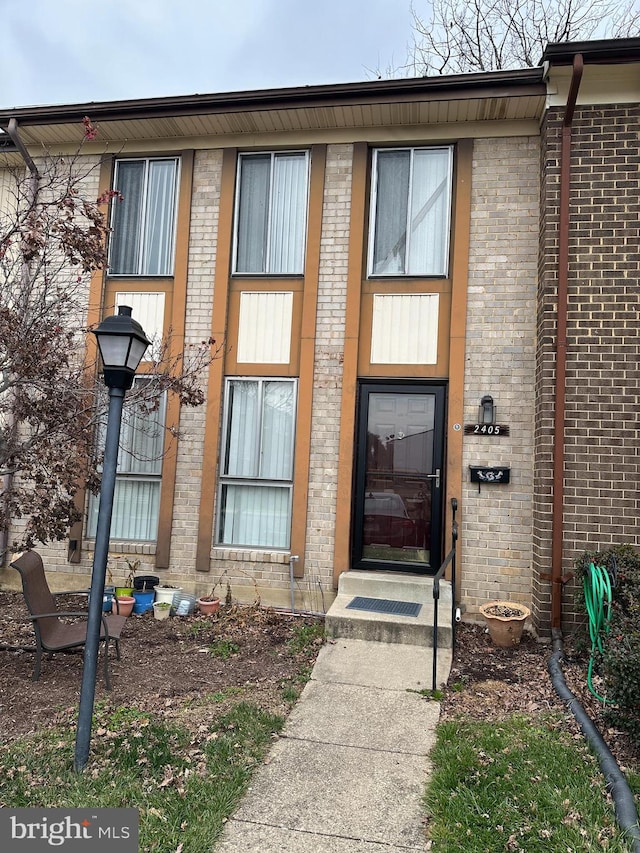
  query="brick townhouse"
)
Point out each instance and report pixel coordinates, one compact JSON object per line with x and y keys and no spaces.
{"x":426,"y":288}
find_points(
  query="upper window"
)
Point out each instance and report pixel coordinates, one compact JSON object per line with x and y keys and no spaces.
{"x":143,"y":221}
{"x":256,"y":478}
{"x":411,"y":211}
{"x":271,"y":213}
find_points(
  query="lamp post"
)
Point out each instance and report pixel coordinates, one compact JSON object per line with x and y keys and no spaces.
{"x":122,"y":343}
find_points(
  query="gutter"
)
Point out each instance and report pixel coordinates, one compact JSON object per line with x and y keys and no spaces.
{"x":526,"y":82}
{"x":557,"y":578}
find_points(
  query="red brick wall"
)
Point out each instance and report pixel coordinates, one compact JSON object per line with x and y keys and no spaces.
{"x":602,"y":450}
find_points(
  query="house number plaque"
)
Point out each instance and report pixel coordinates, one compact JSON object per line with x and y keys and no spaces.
{"x":486,"y":429}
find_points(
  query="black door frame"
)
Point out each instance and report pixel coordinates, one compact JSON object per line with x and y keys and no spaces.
{"x":406,"y":386}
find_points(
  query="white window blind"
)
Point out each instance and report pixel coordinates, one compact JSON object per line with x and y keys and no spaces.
{"x":136,"y":500}
{"x":411,"y":216}
{"x":257,"y":465}
{"x":271,"y":213}
{"x":143,"y":221}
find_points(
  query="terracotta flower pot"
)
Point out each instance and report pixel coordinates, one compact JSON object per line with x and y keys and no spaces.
{"x":505,"y":621}
{"x":124,"y":605}
{"x":208,"y":606}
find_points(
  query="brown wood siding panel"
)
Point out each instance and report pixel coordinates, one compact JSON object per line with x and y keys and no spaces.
{"x":457,"y":335}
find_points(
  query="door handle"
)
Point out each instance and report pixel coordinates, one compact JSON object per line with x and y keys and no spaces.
{"x":435,"y":477}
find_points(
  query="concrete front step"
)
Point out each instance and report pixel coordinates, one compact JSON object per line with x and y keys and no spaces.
{"x":342,"y":621}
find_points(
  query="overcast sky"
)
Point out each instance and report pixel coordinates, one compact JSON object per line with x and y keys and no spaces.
{"x":72,"y":51}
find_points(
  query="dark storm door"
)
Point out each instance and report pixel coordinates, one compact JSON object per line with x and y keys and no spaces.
{"x":399,"y":477}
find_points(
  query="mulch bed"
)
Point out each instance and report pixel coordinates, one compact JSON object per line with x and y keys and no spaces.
{"x":491,"y":683}
{"x":165,"y":666}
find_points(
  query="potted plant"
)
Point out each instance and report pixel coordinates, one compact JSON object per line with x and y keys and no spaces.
{"x":161,"y":609}
{"x":127,"y":587}
{"x":505,"y":621}
{"x":210,"y":604}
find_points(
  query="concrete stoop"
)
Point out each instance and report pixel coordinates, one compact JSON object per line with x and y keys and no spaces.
{"x":343,"y":621}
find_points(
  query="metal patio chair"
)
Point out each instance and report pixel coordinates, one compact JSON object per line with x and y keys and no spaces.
{"x":53,"y":633}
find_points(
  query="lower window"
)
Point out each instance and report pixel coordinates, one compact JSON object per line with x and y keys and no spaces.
{"x":256,"y":479}
{"x":136,"y":499}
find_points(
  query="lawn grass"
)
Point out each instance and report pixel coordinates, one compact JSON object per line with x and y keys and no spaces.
{"x":184,"y":780}
{"x":184,"y":785}
{"x":523,"y":785}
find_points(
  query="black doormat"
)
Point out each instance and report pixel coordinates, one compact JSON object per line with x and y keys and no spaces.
{"x":385,"y":605}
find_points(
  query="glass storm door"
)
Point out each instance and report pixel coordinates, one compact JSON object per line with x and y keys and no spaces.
{"x":399,"y":478}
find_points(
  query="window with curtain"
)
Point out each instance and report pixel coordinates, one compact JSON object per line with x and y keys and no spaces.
{"x":136,"y":500}
{"x":257,"y":463}
{"x":143,"y":221}
{"x":271,"y":213}
{"x":410,"y":211}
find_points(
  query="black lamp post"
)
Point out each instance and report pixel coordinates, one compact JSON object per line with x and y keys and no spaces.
{"x":122,"y":343}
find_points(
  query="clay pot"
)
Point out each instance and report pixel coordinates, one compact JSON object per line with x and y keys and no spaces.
{"x":124,"y":605}
{"x":505,"y":621}
{"x":208,"y":606}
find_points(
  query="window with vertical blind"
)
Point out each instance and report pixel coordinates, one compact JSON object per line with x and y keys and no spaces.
{"x":410,"y":211}
{"x":136,"y":501}
{"x":143,"y":221}
{"x":271,"y":213}
{"x":256,"y":480}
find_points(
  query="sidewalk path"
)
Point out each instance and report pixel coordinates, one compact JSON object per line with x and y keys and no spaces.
{"x":348,"y":773}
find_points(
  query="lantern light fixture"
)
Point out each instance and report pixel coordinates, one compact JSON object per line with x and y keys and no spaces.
{"x":487,"y":410}
{"x":122,"y":343}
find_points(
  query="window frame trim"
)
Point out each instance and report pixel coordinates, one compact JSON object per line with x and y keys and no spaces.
{"x":177,"y":159}
{"x":373,"y":203}
{"x":236,"y":213}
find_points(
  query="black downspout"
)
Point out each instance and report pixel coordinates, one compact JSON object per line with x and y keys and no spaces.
{"x":621,"y":793}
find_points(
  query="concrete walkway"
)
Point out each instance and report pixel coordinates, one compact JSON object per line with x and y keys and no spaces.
{"x":348,"y":773}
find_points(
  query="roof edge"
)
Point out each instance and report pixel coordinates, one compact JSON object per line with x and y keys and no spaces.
{"x":604,"y":51}
{"x":269,"y":99}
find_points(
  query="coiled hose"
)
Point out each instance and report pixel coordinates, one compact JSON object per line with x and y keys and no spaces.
{"x":597,"y":597}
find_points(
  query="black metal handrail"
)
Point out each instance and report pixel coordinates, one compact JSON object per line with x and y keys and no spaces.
{"x":450,"y":559}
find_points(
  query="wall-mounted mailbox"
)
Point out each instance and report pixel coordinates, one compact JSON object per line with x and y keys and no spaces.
{"x":490,"y":475}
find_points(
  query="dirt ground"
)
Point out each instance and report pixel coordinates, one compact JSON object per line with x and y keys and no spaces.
{"x":490,"y":683}
{"x":166,"y":666}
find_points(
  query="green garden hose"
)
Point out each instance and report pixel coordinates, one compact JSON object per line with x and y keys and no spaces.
{"x":597,"y":597}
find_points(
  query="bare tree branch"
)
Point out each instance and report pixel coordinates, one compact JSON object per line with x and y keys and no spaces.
{"x":454,"y":36}
{"x":51,"y":240}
